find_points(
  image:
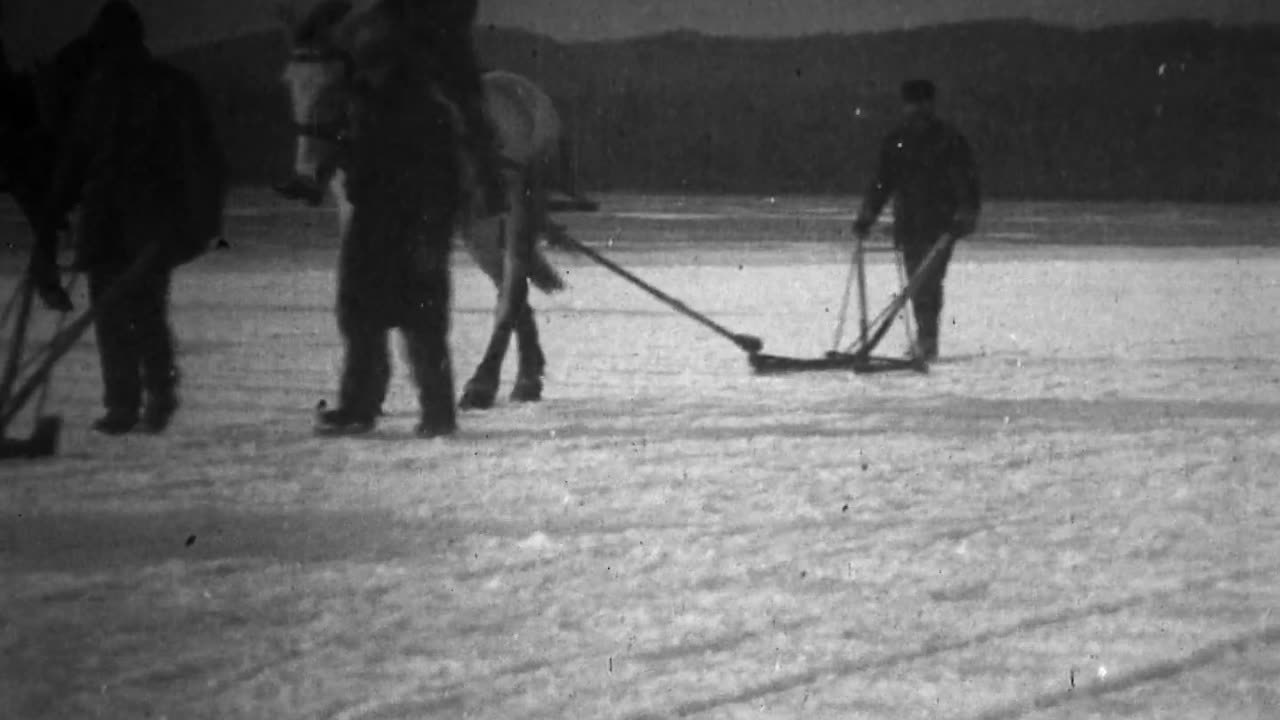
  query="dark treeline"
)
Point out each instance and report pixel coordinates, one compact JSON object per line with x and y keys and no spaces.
{"x":1176,"y":111}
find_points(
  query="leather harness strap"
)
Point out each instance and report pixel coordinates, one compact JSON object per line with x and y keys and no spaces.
{"x":333,"y":132}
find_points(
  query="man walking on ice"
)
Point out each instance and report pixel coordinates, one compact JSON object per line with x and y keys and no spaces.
{"x":927,"y":168}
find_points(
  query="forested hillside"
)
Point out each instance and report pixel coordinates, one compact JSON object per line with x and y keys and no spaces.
{"x":1182,"y":111}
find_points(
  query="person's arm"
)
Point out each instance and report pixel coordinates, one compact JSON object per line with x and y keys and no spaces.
{"x":93,"y":113}
{"x":968,"y":190}
{"x":880,"y":189}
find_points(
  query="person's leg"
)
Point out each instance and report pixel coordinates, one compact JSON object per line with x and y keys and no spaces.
{"x":363,"y":383}
{"x":364,"y":380}
{"x":427,"y":338}
{"x":428,"y":350}
{"x":364,"y":327}
{"x":928,"y":300}
{"x":156,"y":350}
{"x":115,"y":331}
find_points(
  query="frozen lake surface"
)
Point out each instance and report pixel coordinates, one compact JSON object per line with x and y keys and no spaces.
{"x":1073,"y":515}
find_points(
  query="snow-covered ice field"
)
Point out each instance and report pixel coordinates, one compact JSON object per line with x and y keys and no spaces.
{"x":1074,"y":515}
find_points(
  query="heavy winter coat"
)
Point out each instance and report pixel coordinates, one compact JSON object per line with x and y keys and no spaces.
{"x":141,"y":155}
{"x":926,"y":167}
{"x":403,"y":180}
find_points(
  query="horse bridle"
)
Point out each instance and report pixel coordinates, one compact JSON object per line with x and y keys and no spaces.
{"x":335,"y":131}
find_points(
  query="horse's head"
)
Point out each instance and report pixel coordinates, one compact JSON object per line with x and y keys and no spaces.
{"x":58,"y":82}
{"x":333,"y":49}
{"x":318,"y":77}
{"x":52,"y":107}
{"x":16,"y":101}
{"x":20,"y":123}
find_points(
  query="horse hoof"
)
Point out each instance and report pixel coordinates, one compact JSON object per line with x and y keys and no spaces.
{"x":527,"y":391}
{"x":477,"y":399}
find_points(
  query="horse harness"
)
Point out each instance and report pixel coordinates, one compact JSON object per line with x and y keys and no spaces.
{"x":333,"y":131}
{"x":338,"y":132}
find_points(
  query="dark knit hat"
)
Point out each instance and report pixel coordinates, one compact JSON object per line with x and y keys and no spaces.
{"x":320,"y":20}
{"x":118,"y":24}
{"x":918,"y":91}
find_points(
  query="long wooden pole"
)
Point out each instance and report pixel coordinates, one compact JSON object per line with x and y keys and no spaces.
{"x":62,"y":343}
{"x":747,"y":343}
{"x":863,"y":323}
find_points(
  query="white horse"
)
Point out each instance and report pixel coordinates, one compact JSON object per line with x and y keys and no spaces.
{"x":528,"y":129}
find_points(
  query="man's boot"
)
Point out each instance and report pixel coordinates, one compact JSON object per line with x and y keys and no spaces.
{"x":342,"y":421}
{"x":159,"y":410}
{"x":300,"y":188}
{"x":929,"y":348}
{"x":117,"y":421}
{"x":927,"y":337}
{"x":431,"y":427}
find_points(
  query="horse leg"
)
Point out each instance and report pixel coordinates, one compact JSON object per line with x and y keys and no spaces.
{"x":482,"y":388}
{"x":528,"y":385}
{"x":533,"y":363}
{"x":338,"y":186}
{"x":513,"y":296}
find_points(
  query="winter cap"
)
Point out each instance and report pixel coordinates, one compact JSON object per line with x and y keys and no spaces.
{"x":918,"y":91}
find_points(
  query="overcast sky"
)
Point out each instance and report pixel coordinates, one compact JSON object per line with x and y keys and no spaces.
{"x":34,"y":26}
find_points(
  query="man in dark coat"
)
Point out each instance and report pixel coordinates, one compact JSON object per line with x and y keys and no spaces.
{"x":927,"y":168}
{"x":403,"y":181}
{"x":446,"y":28}
{"x":443,"y":31}
{"x":125,"y":156}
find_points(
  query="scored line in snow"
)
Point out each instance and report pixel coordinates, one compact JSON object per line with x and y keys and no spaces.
{"x":1066,"y":615}
{"x":1155,"y":672}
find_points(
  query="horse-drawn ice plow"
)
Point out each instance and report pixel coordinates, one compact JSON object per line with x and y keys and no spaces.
{"x":29,"y":364}
{"x":858,"y":356}
{"x":14,"y":323}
